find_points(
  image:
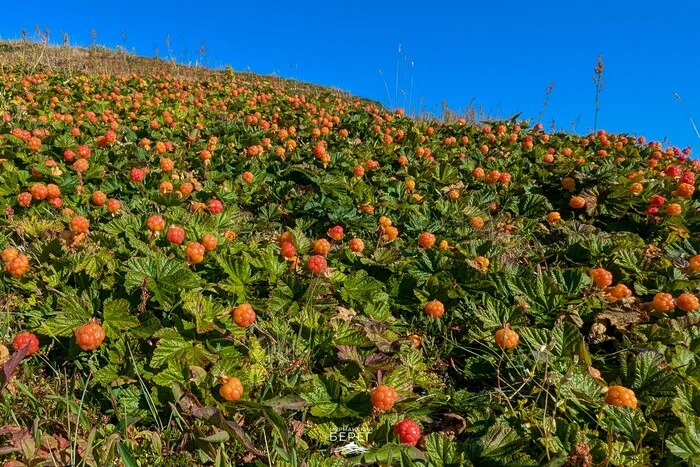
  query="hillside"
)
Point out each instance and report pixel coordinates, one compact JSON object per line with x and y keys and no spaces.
{"x":213,"y":268}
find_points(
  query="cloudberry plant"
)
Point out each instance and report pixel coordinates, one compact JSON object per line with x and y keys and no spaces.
{"x":408,"y":431}
{"x":243,"y":315}
{"x":89,"y":336}
{"x":621,"y":396}
{"x":383,"y":397}
{"x":24,"y":339}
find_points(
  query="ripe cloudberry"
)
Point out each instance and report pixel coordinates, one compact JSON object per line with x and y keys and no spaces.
{"x":601,"y":277}
{"x":18,"y":266}
{"x":408,"y":431}
{"x":336,"y":233}
{"x":383,"y":397}
{"x":155,"y":223}
{"x":674,"y":209}
{"x":621,"y":396}
{"x":620,"y":291}
{"x":195,"y":252}
{"x":694,"y":263}
{"x":322,"y":246}
{"x":98,"y":198}
{"x":577,"y":202}
{"x":356,"y":245}
{"x":232,"y":390}
{"x":476,"y":222}
{"x":248,"y":177}
{"x":215,"y":206}
{"x":243,"y":315}
{"x":553,"y":217}
{"x":663,"y":302}
{"x":89,"y":336}
{"x":506,"y":338}
{"x":24,"y":339}
{"x":288,"y":249}
{"x":39,"y":191}
{"x":24,"y":199}
{"x":79,"y":224}
{"x":53,"y":190}
{"x":113,"y":205}
{"x":687,"y":302}
{"x":426,"y":240}
{"x":175,"y":234}
{"x":317,"y":264}
{"x":167,"y":164}
{"x":434,"y":308}
{"x":9,"y":253}
{"x":210,"y":242}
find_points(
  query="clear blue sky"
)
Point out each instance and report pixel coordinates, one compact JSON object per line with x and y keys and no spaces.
{"x":501,"y":54}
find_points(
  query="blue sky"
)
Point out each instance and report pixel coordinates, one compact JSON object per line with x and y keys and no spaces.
{"x":501,"y":55}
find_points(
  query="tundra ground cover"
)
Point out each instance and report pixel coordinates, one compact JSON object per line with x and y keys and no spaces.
{"x":223,"y":272}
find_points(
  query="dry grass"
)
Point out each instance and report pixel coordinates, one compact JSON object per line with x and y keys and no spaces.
{"x":34,"y":56}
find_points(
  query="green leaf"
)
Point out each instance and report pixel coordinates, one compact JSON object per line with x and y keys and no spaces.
{"x":172,"y":346}
{"x":361,"y":288}
{"x":164,"y":277}
{"x":75,"y":311}
{"x":116,"y":317}
{"x":440,"y":451}
{"x":686,"y":444}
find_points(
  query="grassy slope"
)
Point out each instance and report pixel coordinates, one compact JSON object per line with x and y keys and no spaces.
{"x":322,"y":342}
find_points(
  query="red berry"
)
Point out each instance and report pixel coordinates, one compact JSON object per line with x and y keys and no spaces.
{"x":243,"y":315}
{"x":408,"y":431}
{"x":288,"y":250}
{"x":215,"y":206}
{"x":336,"y":233}
{"x":317,"y":264}
{"x":137,"y":175}
{"x":24,"y":339}
{"x":175,"y":234}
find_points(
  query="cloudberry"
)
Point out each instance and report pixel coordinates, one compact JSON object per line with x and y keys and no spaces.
{"x":243,"y":315}
{"x":215,"y":206}
{"x":434,"y":308}
{"x":383,"y":397}
{"x":663,"y":302}
{"x":426,"y":240}
{"x":408,"y":431}
{"x":175,"y":234}
{"x":210,"y":242}
{"x":476,"y":222}
{"x":621,"y":396}
{"x":322,"y":246}
{"x":89,"y":336}
{"x":24,"y":339}
{"x":687,"y":302}
{"x":506,"y":338}
{"x":336,"y":233}
{"x":288,"y":249}
{"x":553,"y":217}
{"x":195,"y":252}
{"x":79,"y":224}
{"x":577,"y":202}
{"x":155,"y":223}
{"x":99,"y":198}
{"x":356,"y":245}
{"x":232,"y":390}
{"x":601,"y":277}
{"x":317,"y":264}
{"x":113,"y":205}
